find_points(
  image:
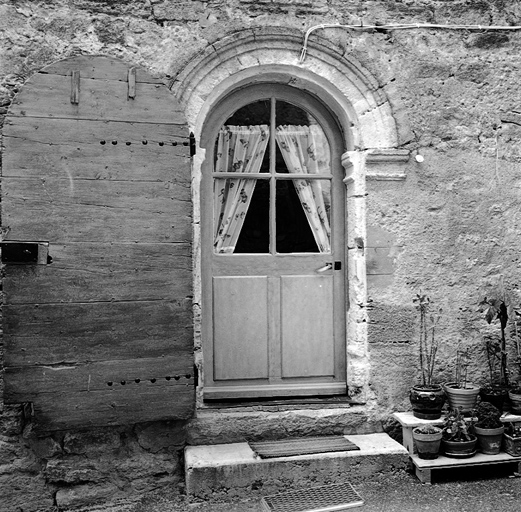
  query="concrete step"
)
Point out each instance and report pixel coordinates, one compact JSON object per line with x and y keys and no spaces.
{"x":226,"y":471}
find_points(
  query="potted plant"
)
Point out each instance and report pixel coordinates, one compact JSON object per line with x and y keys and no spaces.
{"x":512,"y":439}
{"x":427,"y":398}
{"x":514,"y":393}
{"x":457,"y":440}
{"x":427,"y":439}
{"x":488,"y":428}
{"x":461,"y":393}
{"x":497,"y":391}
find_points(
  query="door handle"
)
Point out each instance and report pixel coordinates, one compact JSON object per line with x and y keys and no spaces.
{"x":327,"y":266}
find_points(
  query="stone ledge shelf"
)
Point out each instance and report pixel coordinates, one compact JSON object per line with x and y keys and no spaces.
{"x":384,"y":164}
{"x":215,"y":472}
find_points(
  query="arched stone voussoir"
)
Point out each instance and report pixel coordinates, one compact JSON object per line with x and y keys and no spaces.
{"x":354,"y":95}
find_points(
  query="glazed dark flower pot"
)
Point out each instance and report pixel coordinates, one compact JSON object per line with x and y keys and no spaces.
{"x":427,"y":401}
{"x":496,"y":396}
{"x":489,"y":439}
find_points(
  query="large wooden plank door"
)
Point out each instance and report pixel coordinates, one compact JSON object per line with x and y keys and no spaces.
{"x":274,"y":298}
{"x":97,"y":166}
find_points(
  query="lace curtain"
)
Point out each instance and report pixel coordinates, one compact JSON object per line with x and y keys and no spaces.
{"x":240,"y":149}
{"x":306,"y":151}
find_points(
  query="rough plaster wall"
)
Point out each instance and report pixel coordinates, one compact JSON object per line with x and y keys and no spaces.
{"x":453,"y":224}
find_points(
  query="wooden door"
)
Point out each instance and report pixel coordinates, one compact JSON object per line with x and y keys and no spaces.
{"x":273,"y":249}
{"x":97,"y":170}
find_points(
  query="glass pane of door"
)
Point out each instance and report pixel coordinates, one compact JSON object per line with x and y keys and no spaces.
{"x":255,"y":233}
{"x":303,"y":216}
{"x":275,"y":215}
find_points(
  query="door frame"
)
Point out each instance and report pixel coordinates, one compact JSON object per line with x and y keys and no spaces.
{"x":375,"y":125}
{"x":230,"y":103}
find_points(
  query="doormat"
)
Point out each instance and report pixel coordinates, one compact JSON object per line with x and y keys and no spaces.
{"x":316,"y":499}
{"x":302,"y":446}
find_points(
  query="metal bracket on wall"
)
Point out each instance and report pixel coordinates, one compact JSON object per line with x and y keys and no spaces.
{"x":192,"y":144}
{"x":75,"y":86}
{"x":132,"y":83}
{"x":15,"y":252}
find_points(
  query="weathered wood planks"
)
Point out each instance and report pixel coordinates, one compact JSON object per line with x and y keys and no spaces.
{"x":102,"y":272}
{"x":49,"y":95}
{"x":73,"y":149}
{"x":58,"y":210}
{"x":99,"y":67}
{"x":118,"y":375}
{"x":51,"y":333}
{"x":97,"y":164}
{"x":65,"y":410}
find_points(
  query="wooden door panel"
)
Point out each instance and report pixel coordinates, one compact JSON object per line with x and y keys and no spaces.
{"x":101,"y":150}
{"x":307,"y":326}
{"x":101,"y":173}
{"x":82,"y":210}
{"x":272,"y":325}
{"x":98,"y":99}
{"x":240,"y":320}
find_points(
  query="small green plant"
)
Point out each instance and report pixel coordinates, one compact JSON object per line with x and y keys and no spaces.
{"x":457,"y":427}
{"x":496,"y":309}
{"x":428,"y":343}
{"x":487,"y":416}
{"x":494,"y":356}
{"x":513,"y":429}
{"x":462,"y":363}
{"x":517,"y":342}
{"x":427,"y":429}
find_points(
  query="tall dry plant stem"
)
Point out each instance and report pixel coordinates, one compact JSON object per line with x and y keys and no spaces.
{"x":428,"y":344}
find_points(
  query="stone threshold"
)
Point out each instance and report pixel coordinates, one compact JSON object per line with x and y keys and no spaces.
{"x":234,"y":470}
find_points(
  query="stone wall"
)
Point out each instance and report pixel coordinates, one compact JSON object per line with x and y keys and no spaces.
{"x":81,"y":468}
{"x":450,"y":229}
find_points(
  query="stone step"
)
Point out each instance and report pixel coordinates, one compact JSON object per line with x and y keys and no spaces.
{"x":227,"y":471}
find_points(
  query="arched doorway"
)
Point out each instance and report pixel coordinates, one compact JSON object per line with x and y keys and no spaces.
{"x":373,"y":127}
{"x":273,"y":248}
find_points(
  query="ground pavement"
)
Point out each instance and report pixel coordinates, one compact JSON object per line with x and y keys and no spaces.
{"x":462,"y":490}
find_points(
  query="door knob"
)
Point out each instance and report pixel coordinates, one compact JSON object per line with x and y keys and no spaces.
{"x":327,"y":266}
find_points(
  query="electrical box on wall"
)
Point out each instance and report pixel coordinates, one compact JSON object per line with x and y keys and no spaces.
{"x":25,"y":253}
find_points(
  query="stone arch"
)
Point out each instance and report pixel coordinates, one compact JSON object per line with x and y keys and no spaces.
{"x":365,"y":107}
{"x":368,"y":113}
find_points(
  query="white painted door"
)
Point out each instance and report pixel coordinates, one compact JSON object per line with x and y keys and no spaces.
{"x":273,"y":250}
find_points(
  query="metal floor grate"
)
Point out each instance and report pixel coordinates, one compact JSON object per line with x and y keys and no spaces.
{"x":316,"y":499}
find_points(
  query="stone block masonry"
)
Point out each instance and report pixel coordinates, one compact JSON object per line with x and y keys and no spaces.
{"x":79,"y":469}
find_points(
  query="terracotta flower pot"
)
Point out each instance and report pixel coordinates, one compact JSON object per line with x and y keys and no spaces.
{"x":515,"y":400}
{"x":427,"y":401}
{"x":427,"y":445}
{"x":459,"y":449}
{"x":489,"y":439}
{"x":512,"y":445}
{"x":464,"y":398}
